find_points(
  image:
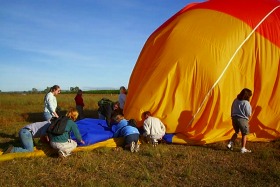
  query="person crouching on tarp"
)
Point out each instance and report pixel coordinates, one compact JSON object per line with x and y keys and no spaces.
{"x":130,"y":133}
{"x":63,"y":142}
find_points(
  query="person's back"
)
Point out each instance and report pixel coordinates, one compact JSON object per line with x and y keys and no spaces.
{"x":63,"y":143}
{"x":70,"y":126}
{"x":154,"y":127}
{"x":38,"y":129}
{"x":241,"y":108}
{"x":130,"y":133}
{"x":122,"y":129}
{"x":108,"y":110}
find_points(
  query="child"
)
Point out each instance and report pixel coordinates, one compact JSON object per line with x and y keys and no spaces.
{"x":63,"y":142}
{"x":130,"y":133}
{"x":154,"y":129}
{"x":240,"y":112}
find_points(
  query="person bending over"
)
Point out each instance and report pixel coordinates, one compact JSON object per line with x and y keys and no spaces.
{"x":154,"y":129}
{"x":63,"y":143}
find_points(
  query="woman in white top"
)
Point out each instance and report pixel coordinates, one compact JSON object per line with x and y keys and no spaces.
{"x":51,"y":103}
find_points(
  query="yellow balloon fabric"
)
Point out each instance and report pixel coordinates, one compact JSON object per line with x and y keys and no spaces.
{"x":193,"y":66}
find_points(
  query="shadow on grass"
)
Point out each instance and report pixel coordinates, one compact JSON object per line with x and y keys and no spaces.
{"x":38,"y":116}
{"x":4,"y":135}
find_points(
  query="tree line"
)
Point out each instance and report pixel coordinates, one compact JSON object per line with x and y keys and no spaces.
{"x":71,"y":90}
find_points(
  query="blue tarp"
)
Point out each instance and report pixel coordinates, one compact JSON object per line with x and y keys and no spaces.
{"x":96,"y":130}
{"x":93,"y":131}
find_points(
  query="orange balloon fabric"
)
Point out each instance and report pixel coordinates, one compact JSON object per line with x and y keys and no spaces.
{"x":193,"y":66}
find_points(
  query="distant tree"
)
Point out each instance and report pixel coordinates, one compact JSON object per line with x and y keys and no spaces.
{"x":34,"y":90}
{"x":77,"y":88}
{"x":47,"y":89}
{"x":74,"y":89}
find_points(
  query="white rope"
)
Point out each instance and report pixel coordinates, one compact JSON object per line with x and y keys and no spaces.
{"x":234,"y":54}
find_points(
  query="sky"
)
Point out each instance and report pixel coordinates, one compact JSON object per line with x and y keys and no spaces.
{"x":92,"y":44}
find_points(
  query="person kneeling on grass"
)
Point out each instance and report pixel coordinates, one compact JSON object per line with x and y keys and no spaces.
{"x":26,"y":135}
{"x":130,"y":133}
{"x":63,"y":142}
{"x":154,"y":129}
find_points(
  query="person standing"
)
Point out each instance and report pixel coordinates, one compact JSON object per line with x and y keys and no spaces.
{"x":50,"y":103}
{"x":27,"y":134}
{"x":154,"y":129}
{"x":122,"y":97}
{"x":241,"y":111}
{"x":63,"y":143}
{"x":80,"y":104}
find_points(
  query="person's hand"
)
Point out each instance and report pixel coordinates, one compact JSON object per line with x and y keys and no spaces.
{"x":82,"y":142}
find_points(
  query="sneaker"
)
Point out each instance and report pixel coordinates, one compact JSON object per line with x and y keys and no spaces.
{"x":230,"y":146}
{"x":9,"y":149}
{"x":154,"y":142}
{"x":137,"y":148}
{"x":61,"y":154}
{"x":132,"y":147}
{"x":244,"y":150}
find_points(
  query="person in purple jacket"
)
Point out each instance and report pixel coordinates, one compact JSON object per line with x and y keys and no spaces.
{"x":241,"y":111}
{"x":122,"y":128}
{"x":26,"y":135}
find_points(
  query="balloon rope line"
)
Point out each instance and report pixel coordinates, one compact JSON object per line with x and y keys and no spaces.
{"x":231,"y":59}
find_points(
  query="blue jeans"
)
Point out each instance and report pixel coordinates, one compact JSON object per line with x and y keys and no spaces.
{"x":100,"y":116}
{"x":131,"y":138}
{"x":26,"y":141}
{"x":47,"y":116}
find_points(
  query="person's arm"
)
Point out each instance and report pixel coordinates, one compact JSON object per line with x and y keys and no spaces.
{"x":108,"y":114}
{"x":162,"y":127}
{"x":248,"y":109}
{"x":146,"y":127}
{"x":76,"y":132}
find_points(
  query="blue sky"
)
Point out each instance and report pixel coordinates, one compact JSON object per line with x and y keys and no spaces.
{"x":84,"y":43}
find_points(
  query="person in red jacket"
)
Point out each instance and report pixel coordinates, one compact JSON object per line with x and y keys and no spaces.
{"x":80,"y":104}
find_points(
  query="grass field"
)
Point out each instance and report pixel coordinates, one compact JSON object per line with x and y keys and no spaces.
{"x":164,"y":165}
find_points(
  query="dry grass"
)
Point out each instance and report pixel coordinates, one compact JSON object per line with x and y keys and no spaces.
{"x":165,"y":165}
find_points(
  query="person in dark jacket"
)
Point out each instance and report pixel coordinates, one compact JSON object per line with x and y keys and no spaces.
{"x":108,"y":110}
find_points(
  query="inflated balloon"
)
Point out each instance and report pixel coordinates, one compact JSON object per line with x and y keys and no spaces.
{"x":193,"y":66}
